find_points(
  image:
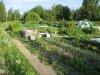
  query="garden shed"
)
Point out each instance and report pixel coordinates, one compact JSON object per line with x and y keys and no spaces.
{"x":27,"y":33}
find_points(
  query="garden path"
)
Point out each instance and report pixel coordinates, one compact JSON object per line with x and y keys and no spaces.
{"x":41,"y":68}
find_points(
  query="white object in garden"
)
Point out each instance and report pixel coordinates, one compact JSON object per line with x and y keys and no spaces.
{"x":96,"y":39}
{"x":83,"y":24}
{"x":45,"y":26}
{"x":45,"y":34}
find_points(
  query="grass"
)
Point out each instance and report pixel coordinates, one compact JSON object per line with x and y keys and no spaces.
{"x":15,"y":61}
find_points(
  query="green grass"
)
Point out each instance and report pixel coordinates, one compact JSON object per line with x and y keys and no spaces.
{"x":15,"y":61}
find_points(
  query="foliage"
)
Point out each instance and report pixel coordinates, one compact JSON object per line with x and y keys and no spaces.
{"x":3,"y":14}
{"x":52,"y":30}
{"x":88,"y":30}
{"x":62,"y":12}
{"x":10,"y":15}
{"x":14,"y":27}
{"x":16,"y":15}
{"x":13,"y":15}
{"x":89,"y":9}
{"x":33,"y":17}
{"x":38,"y":10}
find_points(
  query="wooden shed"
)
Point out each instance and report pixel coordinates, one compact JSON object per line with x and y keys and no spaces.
{"x":27,"y":33}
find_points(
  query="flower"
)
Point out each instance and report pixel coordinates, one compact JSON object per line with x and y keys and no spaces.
{"x":18,"y":61}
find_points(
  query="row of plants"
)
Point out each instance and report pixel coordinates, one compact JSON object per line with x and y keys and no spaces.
{"x":84,"y":44}
{"x":15,"y":61}
{"x":63,"y":43}
{"x":51,"y":54}
{"x":90,"y":58}
{"x":77,"y":61}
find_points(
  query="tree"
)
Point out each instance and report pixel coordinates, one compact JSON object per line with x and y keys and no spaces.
{"x":66,"y":13}
{"x":2,"y":12}
{"x":38,"y":10}
{"x":98,"y":13}
{"x":10,"y":15}
{"x":59,"y":11}
{"x":16,"y":15}
{"x":89,"y":9}
{"x":31,"y":16}
{"x":62,"y":12}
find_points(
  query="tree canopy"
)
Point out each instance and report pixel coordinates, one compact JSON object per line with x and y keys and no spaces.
{"x":3,"y":14}
{"x":31,"y":16}
{"x":89,"y":9}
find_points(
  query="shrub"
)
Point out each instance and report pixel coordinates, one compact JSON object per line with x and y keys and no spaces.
{"x":75,"y":32}
{"x":14,"y":26}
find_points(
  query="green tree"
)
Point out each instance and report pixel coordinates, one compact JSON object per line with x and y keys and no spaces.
{"x":3,"y":14}
{"x":38,"y":10}
{"x":98,"y":14}
{"x":66,"y":13}
{"x":16,"y":15}
{"x":10,"y":15}
{"x":31,"y":16}
{"x":62,"y":12}
{"x":59,"y":11}
{"x":89,"y":9}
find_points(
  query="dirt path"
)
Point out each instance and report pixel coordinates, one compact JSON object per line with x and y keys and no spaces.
{"x":40,"y":67}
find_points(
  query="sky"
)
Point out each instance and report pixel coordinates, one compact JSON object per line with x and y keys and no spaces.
{"x":25,"y":5}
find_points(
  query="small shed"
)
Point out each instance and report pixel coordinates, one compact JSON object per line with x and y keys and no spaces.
{"x":27,"y":33}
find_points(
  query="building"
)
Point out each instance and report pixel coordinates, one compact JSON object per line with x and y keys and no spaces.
{"x":31,"y":34}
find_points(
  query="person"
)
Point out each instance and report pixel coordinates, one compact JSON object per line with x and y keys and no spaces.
{"x":69,"y":56}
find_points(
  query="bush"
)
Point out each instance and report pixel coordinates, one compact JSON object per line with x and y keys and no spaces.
{"x":75,"y":32}
{"x":53,"y":30}
{"x":14,"y":26}
{"x":88,"y":30}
